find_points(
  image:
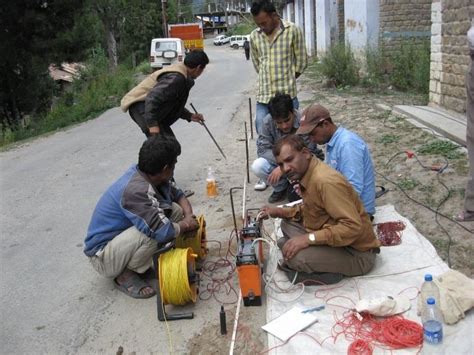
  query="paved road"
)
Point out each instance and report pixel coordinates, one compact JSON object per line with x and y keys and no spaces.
{"x":51,"y":299}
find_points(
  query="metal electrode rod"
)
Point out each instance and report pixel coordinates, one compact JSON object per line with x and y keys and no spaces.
{"x":251,"y":123}
{"x":210,"y":134}
{"x":247,"y":153}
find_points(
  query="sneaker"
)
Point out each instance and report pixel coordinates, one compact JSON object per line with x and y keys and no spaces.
{"x":277,"y":196}
{"x":292,"y":195}
{"x":260,"y":185}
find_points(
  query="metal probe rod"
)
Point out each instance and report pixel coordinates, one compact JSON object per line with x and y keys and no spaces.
{"x":210,"y":134}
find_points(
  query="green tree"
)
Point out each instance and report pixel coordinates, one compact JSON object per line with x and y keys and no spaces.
{"x":34,"y":34}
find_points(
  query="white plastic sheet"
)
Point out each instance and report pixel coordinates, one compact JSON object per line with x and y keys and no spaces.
{"x":397,"y":268}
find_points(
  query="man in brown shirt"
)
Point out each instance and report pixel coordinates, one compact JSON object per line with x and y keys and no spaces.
{"x":330,"y":235}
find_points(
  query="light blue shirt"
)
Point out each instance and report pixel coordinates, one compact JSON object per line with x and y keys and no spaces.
{"x":349,"y":154}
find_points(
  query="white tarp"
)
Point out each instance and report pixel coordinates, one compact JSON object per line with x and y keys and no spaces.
{"x":398,"y":268}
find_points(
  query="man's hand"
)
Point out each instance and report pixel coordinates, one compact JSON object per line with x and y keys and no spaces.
{"x":188,"y":224}
{"x":294,"y":245}
{"x":274,"y":212}
{"x":274,"y":176}
{"x":197,"y":117}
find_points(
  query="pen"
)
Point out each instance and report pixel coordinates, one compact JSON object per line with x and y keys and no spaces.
{"x":309,"y":310}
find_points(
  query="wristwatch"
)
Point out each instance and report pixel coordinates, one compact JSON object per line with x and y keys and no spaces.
{"x":312,"y":238}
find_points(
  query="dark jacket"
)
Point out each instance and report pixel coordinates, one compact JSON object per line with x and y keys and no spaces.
{"x":165,"y":102}
{"x":133,"y":201}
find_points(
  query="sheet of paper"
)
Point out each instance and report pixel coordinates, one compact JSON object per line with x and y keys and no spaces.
{"x":289,"y":323}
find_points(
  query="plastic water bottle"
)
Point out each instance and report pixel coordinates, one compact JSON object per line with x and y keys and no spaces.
{"x":211,"y":183}
{"x":428,"y":289}
{"x":432,"y":324}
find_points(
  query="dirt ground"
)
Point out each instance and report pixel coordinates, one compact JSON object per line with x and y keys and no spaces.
{"x":387,"y":135}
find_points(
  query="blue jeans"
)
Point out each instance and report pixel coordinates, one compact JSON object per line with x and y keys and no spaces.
{"x":262,"y":111}
{"x":263,"y":168}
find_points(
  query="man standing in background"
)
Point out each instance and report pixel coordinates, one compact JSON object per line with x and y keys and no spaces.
{"x":278,"y":54}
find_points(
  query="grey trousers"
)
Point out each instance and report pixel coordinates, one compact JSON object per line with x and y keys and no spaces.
{"x":323,"y":258}
{"x":131,"y":250}
{"x":469,"y":194}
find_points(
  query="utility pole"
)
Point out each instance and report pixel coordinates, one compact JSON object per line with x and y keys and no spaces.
{"x":164,"y":10}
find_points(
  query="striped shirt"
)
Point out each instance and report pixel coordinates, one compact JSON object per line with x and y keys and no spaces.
{"x":278,"y":62}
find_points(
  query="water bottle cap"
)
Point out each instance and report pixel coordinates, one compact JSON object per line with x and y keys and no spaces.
{"x":428,"y":277}
{"x":430,"y":300}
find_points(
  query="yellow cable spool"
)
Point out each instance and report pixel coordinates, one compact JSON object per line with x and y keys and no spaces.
{"x":173,"y":276}
{"x":195,"y":240}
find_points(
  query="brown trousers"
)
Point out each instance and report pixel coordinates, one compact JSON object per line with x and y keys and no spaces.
{"x":323,"y":258}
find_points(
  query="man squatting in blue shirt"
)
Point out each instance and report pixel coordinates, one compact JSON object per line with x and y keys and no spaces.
{"x":345,"y":151}
{"x":139,"y":212}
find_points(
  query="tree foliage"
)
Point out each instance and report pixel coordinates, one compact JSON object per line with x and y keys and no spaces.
{"x":37,"y":33}
{"x":33,"y":35}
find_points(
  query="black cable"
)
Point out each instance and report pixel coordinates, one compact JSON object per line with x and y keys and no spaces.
{"x":436,"y":211}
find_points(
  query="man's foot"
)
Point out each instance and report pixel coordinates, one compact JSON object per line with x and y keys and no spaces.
{"x":132,"y":285}
{"x":465,"y":216}
{"x":277,"y":196}
{"x":311,"y":279}
{"x":260,"y":185}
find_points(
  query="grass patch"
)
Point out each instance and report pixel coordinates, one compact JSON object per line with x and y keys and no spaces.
{"x":388,"y":138}
{"x":408,"y":184}
{"x":98,"y":90}
{"x":445,"y":148}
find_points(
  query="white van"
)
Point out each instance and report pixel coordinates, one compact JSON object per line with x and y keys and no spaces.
{"x":238,"y":41}
{"x":166,"y":51}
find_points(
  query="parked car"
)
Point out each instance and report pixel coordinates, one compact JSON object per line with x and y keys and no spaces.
{"x":166,"y":51}
{"x":238,"y":41}
{"x":221,"y":39}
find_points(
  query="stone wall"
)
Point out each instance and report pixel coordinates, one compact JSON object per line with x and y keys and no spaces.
{"x":401,"y":20}
{"x":449,"y":53}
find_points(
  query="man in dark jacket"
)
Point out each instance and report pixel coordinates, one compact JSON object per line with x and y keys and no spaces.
{"x":159,"y":100}
{"x":138,"y":212}
{"x":247,"y":49}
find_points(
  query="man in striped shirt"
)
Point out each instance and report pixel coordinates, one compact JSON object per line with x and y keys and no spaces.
{"x":278,"y":54}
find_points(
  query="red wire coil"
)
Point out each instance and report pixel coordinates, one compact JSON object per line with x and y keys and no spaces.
{"x":359,"y":347}
{"x":392,"y":333}
{"x":390,"y":233}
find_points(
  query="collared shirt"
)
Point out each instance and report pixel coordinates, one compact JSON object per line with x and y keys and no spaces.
{"x":270,"y":134}
{"x":332,"y":210}
{"x":349,"y":154}
{"x":278,"y":61}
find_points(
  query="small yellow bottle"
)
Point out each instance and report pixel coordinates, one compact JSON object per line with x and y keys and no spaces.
{"x":211,"y":183}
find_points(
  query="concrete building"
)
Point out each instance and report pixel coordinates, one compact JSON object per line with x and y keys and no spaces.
{"x":386,"y":24}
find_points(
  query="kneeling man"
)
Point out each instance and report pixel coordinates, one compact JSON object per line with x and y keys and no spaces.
{"x":329,"y":235}
{"x":139,"y":212}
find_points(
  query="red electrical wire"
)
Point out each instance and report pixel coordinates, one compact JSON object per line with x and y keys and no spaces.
{"x":390,"y":233}
{"x":392,"y":333}
{"x":359,"y":347}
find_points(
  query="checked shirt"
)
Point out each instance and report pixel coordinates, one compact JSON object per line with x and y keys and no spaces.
{"x":278,"y":62}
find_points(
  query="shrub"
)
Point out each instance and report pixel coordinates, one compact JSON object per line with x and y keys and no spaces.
{"x":243,"y":28}
{"x":411,"y":67}
{"x":98,"y":90}
{"x":375,"y":67}
{"x":339,"y":65}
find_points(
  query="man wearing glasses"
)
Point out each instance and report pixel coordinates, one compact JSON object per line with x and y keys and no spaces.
{"x":282,"y":120}
{"x":345,"y":151}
